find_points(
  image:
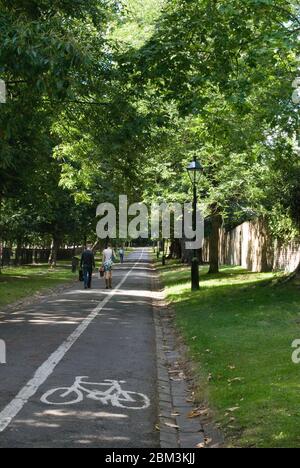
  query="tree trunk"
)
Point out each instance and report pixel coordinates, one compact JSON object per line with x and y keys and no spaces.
{"x":200,"y":257}
{"x":54,"y":251}
{"x":175,"y":249}
{"x":214,"y":242}
{"x":177,"y":252}
{"x":18,"y":258}
{"x":292,"y":276}
{"x":287,"y":279}
{"x":186,"y":255}
{"x":96,"y":246}
{"x":164,"y":252}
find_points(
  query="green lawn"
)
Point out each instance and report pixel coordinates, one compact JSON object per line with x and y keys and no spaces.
{"x":239,"y":329}
{"x":17,"y":283}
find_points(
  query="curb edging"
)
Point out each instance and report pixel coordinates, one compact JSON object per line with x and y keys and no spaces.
{"x":176,"y":403}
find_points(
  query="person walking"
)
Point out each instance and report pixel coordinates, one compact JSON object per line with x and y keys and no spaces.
{"x":121,"y":253}
{"x":87,"y":264}
{"x":108,"y":261}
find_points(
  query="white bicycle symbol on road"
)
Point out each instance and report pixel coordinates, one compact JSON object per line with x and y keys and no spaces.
{"x":107,"y":392}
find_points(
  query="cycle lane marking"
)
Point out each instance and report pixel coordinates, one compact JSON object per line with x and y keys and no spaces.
{"x":114,"y":394}
{"x":46,"y":369}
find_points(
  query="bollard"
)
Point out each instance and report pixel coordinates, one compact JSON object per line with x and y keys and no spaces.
{"x":75,"y":264}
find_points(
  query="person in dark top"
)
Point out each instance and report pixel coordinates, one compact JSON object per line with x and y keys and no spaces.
{"x":87,"y":264}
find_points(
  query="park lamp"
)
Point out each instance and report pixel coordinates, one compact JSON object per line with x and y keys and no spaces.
{"x":194,"y":171}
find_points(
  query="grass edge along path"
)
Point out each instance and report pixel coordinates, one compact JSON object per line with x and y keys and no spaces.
{"x":239,"y":330}
{"x":18,"y":283}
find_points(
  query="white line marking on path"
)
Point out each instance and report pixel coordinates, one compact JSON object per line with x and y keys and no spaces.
{"x":46,"y":369}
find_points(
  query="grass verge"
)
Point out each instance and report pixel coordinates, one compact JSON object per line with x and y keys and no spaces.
{"x":239,"y":330}
{"x":18,"y":283}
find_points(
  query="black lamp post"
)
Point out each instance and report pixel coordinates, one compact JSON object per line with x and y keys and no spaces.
{"x":194,"y":171}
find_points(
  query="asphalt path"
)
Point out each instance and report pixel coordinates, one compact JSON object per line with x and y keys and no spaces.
{"x":81,"y":366}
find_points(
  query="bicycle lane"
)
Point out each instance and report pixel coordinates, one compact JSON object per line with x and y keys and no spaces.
{"x":118,"y":345}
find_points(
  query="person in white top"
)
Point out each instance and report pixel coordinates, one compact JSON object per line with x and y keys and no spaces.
{"x":108,"y":256}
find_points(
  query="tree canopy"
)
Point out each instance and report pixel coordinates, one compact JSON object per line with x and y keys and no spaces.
{"x":111,"y":97}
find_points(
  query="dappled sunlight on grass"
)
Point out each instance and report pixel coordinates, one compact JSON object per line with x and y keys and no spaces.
{"x":19,"y":282}
{"x":239,"y":328}
{"x":179,"y":280}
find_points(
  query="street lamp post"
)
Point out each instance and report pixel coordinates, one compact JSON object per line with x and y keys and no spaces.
{"x":194,"y":171}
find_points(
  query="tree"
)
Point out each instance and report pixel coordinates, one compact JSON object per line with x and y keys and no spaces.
{"x":229,"y":66}
{"x":50,"y":55}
